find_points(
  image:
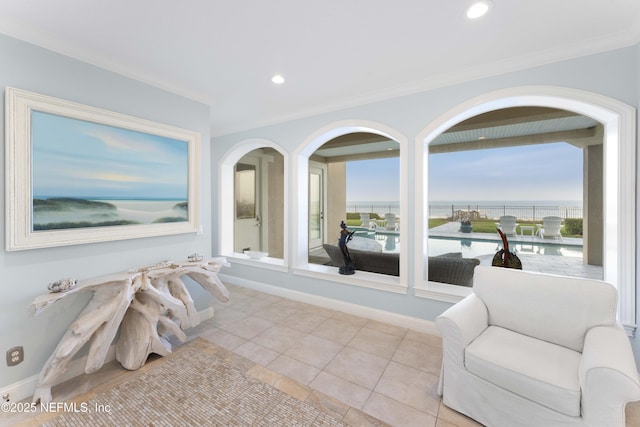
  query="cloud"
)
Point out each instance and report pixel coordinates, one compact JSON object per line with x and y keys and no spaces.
{"x":112,"y":176}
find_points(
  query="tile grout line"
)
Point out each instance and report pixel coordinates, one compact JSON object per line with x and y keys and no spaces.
{"x":401,"y":337}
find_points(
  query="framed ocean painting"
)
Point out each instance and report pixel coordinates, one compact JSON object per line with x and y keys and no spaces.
{"x":77,"y":174}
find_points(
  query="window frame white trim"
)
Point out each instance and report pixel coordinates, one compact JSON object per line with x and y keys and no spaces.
{"x":365,"y":279}
{"x":226,"y":204}
{"x":619,"y":120}
{"x":300,"y":198}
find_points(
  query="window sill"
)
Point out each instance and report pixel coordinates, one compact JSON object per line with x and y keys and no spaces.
{"x":442,"y":291}
{"x":363,"y":279}
{"x":276,"y":264}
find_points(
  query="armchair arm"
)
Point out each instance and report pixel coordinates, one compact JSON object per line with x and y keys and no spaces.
{"x":459,"y":325}
{"x":463,"y":322}
{"x":608,"y":376}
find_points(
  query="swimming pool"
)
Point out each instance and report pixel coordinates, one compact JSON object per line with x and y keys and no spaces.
{"x":390,"y":240}
{"x":472,"y":248}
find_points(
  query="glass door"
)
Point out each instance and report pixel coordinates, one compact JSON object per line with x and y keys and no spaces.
{"x":316,"y":207}
{"x":248,"y":219}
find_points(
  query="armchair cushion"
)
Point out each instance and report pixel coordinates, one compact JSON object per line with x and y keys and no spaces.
{"x":536,"y":370}
{"x":552,"y":308}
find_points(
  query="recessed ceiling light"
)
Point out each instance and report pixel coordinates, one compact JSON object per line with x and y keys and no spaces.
{"x":482,"y":137}
{"x":478,"y":9}
{"x":277,"y":79}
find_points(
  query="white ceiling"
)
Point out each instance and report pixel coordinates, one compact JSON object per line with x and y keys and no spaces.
{"x":333,"y":53}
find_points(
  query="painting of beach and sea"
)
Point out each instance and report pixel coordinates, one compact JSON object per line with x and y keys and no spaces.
{"x":79,"y":174}
{"x":92,"y":175}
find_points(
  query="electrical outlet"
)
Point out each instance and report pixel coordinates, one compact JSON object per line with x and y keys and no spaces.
{"x":15,"y":355}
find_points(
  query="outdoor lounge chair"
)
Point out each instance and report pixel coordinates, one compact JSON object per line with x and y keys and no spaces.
{"x":508,"y":225}
{"x":550,"y":227}
{"x":450,"y":268}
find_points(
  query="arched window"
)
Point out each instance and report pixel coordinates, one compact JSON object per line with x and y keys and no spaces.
{"x":309,"y":163}
{"x":618,"y":121}
{"x":354,"y":179}
{"x":533,"y":172}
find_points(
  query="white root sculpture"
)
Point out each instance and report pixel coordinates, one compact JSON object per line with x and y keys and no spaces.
{"x":146,"y":305}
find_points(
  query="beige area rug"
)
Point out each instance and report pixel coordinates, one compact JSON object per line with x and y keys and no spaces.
{"x":201,"y":384}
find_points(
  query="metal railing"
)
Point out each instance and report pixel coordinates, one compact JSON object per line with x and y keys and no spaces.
{"x":379,"y":208}
{"x":532,"y":212}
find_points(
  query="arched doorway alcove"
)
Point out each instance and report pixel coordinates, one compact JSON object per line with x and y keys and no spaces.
{"x":258,"y":149}
{"x":619,"y":143}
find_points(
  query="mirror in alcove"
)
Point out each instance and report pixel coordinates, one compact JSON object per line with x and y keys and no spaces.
{"x":527,"y":162}
{"x":259,"y":203}
{"x":355,"y":178}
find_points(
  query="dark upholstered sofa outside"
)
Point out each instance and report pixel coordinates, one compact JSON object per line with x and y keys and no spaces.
{"x":448,"y":268}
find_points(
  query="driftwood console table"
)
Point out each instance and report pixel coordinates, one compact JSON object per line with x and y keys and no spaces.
{"x":145,"y":304}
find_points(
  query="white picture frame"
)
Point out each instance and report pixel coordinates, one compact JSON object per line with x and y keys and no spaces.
{"x":101,"y":163}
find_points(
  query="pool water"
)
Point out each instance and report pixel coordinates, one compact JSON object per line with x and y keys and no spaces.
{"x":471,"y":248}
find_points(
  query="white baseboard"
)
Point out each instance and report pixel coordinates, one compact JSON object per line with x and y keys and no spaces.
{"x":20,"y":390}
{"x":25,"y":388}
{"x":205,"y":314}
{"x":409,"y":322}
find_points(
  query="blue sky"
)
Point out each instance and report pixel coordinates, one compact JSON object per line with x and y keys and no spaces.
{"x":373,"y":180}
{"x":75,"y":158}
{"x":525,"y":173}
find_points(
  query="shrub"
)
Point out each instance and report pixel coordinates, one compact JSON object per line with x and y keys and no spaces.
{"x":573,"y":226}
{"x":356,"y":215}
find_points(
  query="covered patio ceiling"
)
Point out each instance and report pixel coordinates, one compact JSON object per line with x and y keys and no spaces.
{"x":499,"y":128}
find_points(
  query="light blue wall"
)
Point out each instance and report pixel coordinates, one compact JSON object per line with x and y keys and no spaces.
{"x":25,"y":274}
{"x":613,"y":74}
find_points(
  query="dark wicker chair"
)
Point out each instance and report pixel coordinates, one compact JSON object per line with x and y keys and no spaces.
{"x":448,"y":268}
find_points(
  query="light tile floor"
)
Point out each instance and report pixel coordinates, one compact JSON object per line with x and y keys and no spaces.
{"x":384,"y":370}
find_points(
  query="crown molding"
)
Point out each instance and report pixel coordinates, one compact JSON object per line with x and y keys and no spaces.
{"x":26,"y":33}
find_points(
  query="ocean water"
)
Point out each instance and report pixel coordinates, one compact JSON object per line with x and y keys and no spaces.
{"x":379,"y":207}
{"x":522,"y":209}
{"x":383,"y":203}
{"x":508,"y":202}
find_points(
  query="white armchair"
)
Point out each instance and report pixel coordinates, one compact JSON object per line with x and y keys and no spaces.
{"x":533,"y":349}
